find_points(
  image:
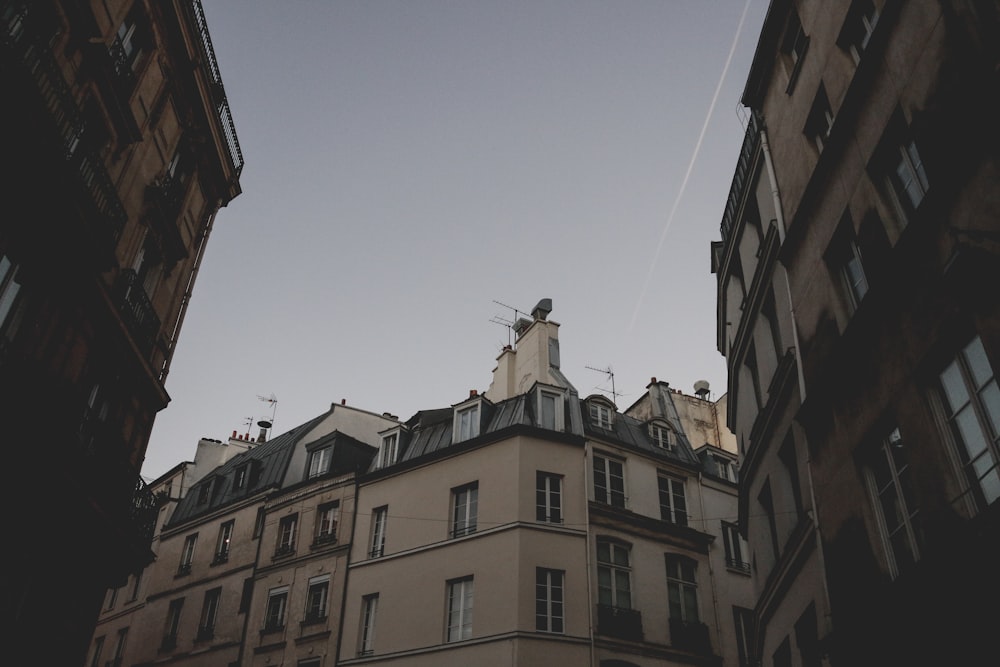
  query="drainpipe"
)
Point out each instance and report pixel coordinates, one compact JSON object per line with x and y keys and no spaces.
{"x":780,"y":221}
{"x":586,"y":517}
{"x":347,"y":568}
{"x":256,"y":567}
{"x":711,"y":570}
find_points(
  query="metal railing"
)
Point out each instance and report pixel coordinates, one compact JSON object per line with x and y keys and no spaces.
{"x":221,"y":103}
{"x":619,"y":622}
{"x":751,"y":140}
{"x":138,"y":311}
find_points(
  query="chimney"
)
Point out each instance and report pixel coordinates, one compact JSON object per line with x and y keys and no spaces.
{"x":264,"y":426}
{"x":473,"y":393}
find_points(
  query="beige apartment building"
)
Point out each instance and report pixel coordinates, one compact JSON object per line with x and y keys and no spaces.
{"x":522,"y":525}
{"x":858,"y":314}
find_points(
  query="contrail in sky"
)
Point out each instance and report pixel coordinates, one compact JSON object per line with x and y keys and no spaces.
{"x":687,"y":175}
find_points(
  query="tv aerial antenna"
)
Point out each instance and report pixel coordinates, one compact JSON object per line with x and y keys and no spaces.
{"x":273,"y":400}
{"x":509,"y":323}
{"x":611,"y":376}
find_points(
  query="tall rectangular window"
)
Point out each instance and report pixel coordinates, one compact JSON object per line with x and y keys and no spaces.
{"x":614,"y":574}
{"x":366,"y":642}
{"x":286,"y":535}
{"x":223,"y":542}
{"x":95,"y":655}
{"x":673,"y":505}
{"x":120,"y":645}
{"x":377,"y":543}
{"x":682,"y":588}
{"x":209,"y":614}
{"x":274,"y":613}
{"x":9,"y":287}
{"x":858,"y":28}
{"x":550,"y":410}
{"x":549,"y":609}
{"x":459,"y":609}
{"x":743,"y":620}
{"x":136,"y":582}
{"x":972,"y":409}
{"x":908,"y":177}
{"x":467,"y":423}
{"x":783,"y":656}
{"x":326,"y":522}
{"x":316,"y":598}
{"x":173,"y":624}
{"x":788,"y":457}
{"x":736,"y":548}
{"x":889,"y":483}
{"x":548,"y":497}
{"x":187,"y":554}
{"x":465,"y":508}
{"x":319,"y":461}
{"x":807,"y":638}
{"x":389,"y":450}
{"x":609,"y":481}
{"x":794,"y":45}
{"x":767,"y":504}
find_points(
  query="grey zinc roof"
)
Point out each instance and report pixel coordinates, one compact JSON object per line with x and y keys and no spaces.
{"x":634,"y":434}
{"x":272,"y":458}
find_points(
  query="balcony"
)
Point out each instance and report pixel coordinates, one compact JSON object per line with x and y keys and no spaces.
{"x":324,"y":539}
{"x":689,"y":636}
{"x":619,"y":622}
{"x":744,"y":169}
{"x":164,"y":202}
{"x":138,"y":311}
{"x":738,"y":565}
{"x":220,"y":558}
{"x":284,"y":550}
{"x":205,"y":633}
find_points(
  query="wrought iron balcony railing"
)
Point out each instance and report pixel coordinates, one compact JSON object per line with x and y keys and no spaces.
{"x":744,"y":169}
{"x":138,"y":311}
{"x":690,"y":636}
{"x":619,"y":622}
{"x":736,"y":564}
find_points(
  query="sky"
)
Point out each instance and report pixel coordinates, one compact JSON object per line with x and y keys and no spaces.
{"x":417,"y":170}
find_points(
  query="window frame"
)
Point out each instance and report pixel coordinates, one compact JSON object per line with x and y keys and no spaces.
{"x":601,"y":415}
{"x":680,"y":588}
{"x":287,"y":529}
{"x":669,"y":511}
{"x":819,"y":122}
{"x":617,"y":573}
{"x":173,"y":624}
{"x":550,"y":600}
{"x":859,"y":26}
{"x":468,"y":421}
{"x":663,"y":436}
{"x":464,"y":510}
{"x":187,"y":554}
{"x":10,"y":288}
{"x":388,"y":451}
{"x":209,"y":614}
{"x":317,"y":599}
{"x":605,"y":493}
{"x":376,"y":544}
{"x":558,"y":416}
{"x":737,"y":550}
{"x":548,"y":497}
{"x":366,"y":631}
{"x":275,"y":610}
{"x":458,"y":621}
{"x":223,"y":543}
{"x":318,"y":462}
{"x":794,"y":46}
{"x":327,"y":518}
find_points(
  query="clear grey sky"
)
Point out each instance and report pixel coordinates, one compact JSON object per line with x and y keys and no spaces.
{"x":410,"y":162}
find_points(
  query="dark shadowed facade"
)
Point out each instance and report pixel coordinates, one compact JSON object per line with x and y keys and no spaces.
{"x":118,"y":152}
{"x":858,"y":313}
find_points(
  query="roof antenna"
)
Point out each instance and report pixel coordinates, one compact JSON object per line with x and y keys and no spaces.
{"x":496,"y":319}
{"x":611,"y":374}
{"x":273,"y":400}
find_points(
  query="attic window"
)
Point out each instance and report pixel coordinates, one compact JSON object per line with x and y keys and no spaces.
{"x":203,"y":492}
{"x":467,"y":422}
{"x":600,"y":415}
{"x":389,"y":451}
{"x":319,"y":462}
{"x":549,"y":410}
{"x":662,"y":436}
{"x":240,"y":478}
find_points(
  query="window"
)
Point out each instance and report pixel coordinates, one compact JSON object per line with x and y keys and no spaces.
{"x":889,"y":482}
{"x":600,"y":415}
{"x":389,"y":451}
{"x":258,"y":524}
{"x":223,"y":543}
{"x":548,"y":497}
{"x":95,"y":655}
{"x":377,"y":543}
{"x":459,"y":609}
{"x":136,"y":581}
{"x":187,"y":554}
{"x":609,"y":481}
{"x":173,"y":625}
{"x":209,"y":614}
{"x":736,"y":547}
{"x":550,"y":410}
{"x":783,"y":656}
{"x":858,"y":28}
{"x":852,"y":272}
{"x":204,"y":491}
{"x":112,"y":598}
{"x":548,"y":600}
{"x":120,"y":646}
{"x":467,"y":423}
{"x":369,"y":605}
{"x":751,"y":364}
{"x":794,"y":47}
{"x":246,"y":596}
{"x":319,"y":461}
{"x":127,"y":46}
{"x":819,"y":123}
{"x":743,"y":619}
{"x":725,"y":468}
{"x":788,"y":457}
{"x":972,"y":411}
{"x":316,"y":598}
{"x":240,"y":477}
{"x":9,"y":287}
{"x":274,"y":614}
{"x":673,"y":505}
{"x":907,"y":178}
{"x":286,"y":535}
{"x":662,"y":436}
{"x":807,"y":638}
{"x":767,"y":503}
{"x":614,"y":574}
{"x":326,"y":523}
{"x":682,"y":588}
{"x":465,"y":507}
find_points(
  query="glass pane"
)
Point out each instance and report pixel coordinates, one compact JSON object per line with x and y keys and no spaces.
{"x":970,"y":432}
{"x":991,"y":486}
{"x":690,"y":604}
{"x":990,"y":399}
{"x":954,"y":387}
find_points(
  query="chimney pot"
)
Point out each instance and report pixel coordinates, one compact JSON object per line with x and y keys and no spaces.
{"x":473,"y":393}
{"x":343,"y":401}
{"x":234,"y":434}
{"x":652,"y":380}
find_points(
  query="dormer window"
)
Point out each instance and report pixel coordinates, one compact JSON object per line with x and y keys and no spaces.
{"x":600,"y":415}
{"x":468,"y":418}
{"x":204,"y":491}
{"x":389,"y":451}
{"x":240,"y":478}
{"x":662,"y":436}
{"x":549,"y":409}
{"x":319,"y":461}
